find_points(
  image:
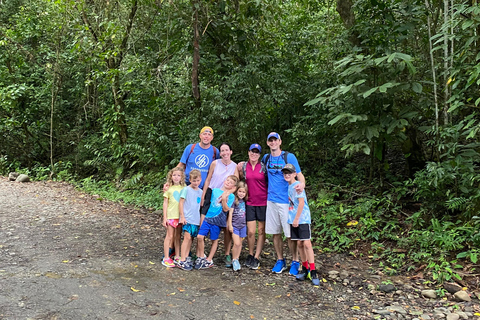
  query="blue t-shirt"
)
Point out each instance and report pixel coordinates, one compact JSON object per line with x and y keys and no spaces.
{"x":239,"y":215}
{"x":277,"y":186}
{"x":293,"y":197}
{"x":191,"y":206}
{"x":215,"y":214}
{"x":199,"y":159}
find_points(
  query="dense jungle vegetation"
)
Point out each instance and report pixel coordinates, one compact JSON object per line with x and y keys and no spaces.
{"x":378,"y":100}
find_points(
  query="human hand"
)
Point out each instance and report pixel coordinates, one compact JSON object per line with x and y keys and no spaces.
{"x":295,"y":222}
{"x":165,"y":187}
{"x":300,"y":187}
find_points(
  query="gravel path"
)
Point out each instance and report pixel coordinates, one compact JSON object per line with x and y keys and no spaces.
{"x":68,"y":255}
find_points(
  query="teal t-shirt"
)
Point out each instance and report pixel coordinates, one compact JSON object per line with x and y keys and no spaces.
{"x":215,"y":214}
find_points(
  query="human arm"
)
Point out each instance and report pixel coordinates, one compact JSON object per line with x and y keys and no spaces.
{"x":229,"y":222}
{"x":207,"y":181}
{"x":165,"y":206}
{"x":300,"y":186}
{"x":181,"y":204}
{"x":225,"y":203}
{"x":240,"y":170}
{"x":301,"y":204}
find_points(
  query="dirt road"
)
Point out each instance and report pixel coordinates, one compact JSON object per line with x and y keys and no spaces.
{"x":69,"y":255}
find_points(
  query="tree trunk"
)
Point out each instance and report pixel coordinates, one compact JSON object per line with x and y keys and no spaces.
{"x":344,"y":9}
{"x":196,"y":55}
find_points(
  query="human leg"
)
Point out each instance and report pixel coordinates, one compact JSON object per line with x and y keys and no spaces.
{"x":177,"y":237}
{"x":168,"y":240}
{"x":261,"y":239}
{"x":213,"y":249}
{"x":186,"y":245}
{"x":237,"y":246}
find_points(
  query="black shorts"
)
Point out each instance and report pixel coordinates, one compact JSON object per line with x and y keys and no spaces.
{"x":302,"y":232}
{"x":256,"y":213}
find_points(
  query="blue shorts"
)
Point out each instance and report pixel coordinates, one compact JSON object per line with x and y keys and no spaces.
{"x":207,"y":228}
{"x":191,"y":229}
{"x":242,"y":233}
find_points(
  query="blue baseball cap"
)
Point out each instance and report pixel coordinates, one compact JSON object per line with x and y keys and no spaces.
{"x":255,"y":146}
{"x":273,"y":135}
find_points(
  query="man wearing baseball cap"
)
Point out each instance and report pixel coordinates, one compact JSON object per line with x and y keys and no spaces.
{"x":199,"y":155}
{"x":277,"y":201}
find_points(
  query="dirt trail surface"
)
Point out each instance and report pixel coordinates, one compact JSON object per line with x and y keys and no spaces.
{"x":69,"y":255}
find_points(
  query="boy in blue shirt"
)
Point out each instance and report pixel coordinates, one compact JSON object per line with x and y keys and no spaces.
{"x":300,"y":220}
{"x":215,"y":219}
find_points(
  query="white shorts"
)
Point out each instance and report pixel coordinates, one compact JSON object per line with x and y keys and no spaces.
{"x":276,"y":220}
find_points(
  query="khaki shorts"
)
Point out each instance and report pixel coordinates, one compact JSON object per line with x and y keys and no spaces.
{"x":276,"y":220}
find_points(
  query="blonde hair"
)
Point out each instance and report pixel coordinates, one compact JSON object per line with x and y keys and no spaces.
{"x":170,"y":173}
{"x":195,"y":174}
{"x":241,"y":185}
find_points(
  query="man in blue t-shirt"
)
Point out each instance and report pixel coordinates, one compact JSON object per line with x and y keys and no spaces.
{"x":277,"y":201}
{"x":199,"y":155}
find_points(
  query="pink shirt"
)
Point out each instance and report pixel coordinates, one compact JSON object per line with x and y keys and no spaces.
{"x":257,"y":186}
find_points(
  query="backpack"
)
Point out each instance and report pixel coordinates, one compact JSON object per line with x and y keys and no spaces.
{"x":193,"y":147}
{"x":263,"y":169}
{"x":265,"y":164}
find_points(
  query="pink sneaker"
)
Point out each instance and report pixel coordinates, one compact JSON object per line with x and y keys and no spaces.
{"x":168,"y":263}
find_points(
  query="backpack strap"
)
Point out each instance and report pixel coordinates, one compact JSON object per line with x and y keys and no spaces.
{"x":214,"y":153}
{"x":245,"y":170}
{"x":191,"y":151}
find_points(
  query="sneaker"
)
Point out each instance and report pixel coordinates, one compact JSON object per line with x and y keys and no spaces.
{"x":236,"y":265}
{"x":248,"y":262}
{"x":188,"y":259}
{"x":184,"y":265}
{"x":294,"y":268}
{"x":314,"y":277}
{"x":168,"y":263}
{"x":176,"y":260}
{"x":280,"y":266}
{"x":254,"y":264}
{"x":206,"y":264}
{"x":228,"y":261}
{"x":302,"y":275}
{"x":199,"y":263}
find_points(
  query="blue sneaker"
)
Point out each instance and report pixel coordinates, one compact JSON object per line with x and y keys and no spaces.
{"x":279,"y":266}
{"x":228,"y":261}
{"x":184,"y":265}
{"x":236,"y":265}
{"x":199,"y":263}
{"x":294,"y":268}
{"x":302,"y":275}
{"x":314,"y":277}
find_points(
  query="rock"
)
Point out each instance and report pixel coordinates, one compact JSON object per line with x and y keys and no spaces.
{"x":387,"y":288}
{"x":333,"y":273}
{"x":23,"y":178}
{"x":343,"y":274}
{"x":429,"y":294}
{"x":452,"y":287}
{"x":398,"y":309}
{"x":453,"y":316}
{"x":462,"y":296}
{"x":12,"y":176}
{"x":462,"y":314}
{"x":425,"y":317}
{"x":382,"y":312}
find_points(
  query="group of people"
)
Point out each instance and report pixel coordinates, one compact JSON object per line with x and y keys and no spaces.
{"x":207,"y":192}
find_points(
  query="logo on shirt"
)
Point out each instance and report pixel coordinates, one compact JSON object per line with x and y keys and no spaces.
{"x":201,"y":161}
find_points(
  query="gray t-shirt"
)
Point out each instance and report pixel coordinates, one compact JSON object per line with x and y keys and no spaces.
{"x":191,"y":206}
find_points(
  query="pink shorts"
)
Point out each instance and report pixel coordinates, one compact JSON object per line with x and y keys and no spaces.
{"x":173,"y":222}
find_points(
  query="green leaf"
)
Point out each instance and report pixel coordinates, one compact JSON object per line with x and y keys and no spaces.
{"x":417,"y":87}
{"x":467,"y":24}
{"x":369,"y":92}
{"x":338,"y":118}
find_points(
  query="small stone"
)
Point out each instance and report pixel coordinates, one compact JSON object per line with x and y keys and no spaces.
{"x":462,"y":314}
{"x":452,"y":287}
{"x":453,"y":316}
{"x":387,"y":288}
{"x":12,"y":176}
{"x":462,"y":296}
{"x":429,"y":294}
{"x":333,"y":273}
{"x":23,"y":178}
{"x":343,"y":274}
{"x":396,"y":309}
{"x":425,"y":317}
{"x":381,"y":312}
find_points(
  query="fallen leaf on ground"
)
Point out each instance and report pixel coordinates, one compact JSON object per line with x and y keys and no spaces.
{"x":237,"y":303}
{"x":134,"y":290}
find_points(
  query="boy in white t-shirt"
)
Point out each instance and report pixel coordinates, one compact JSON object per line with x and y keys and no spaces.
{"x":299,"y":219}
